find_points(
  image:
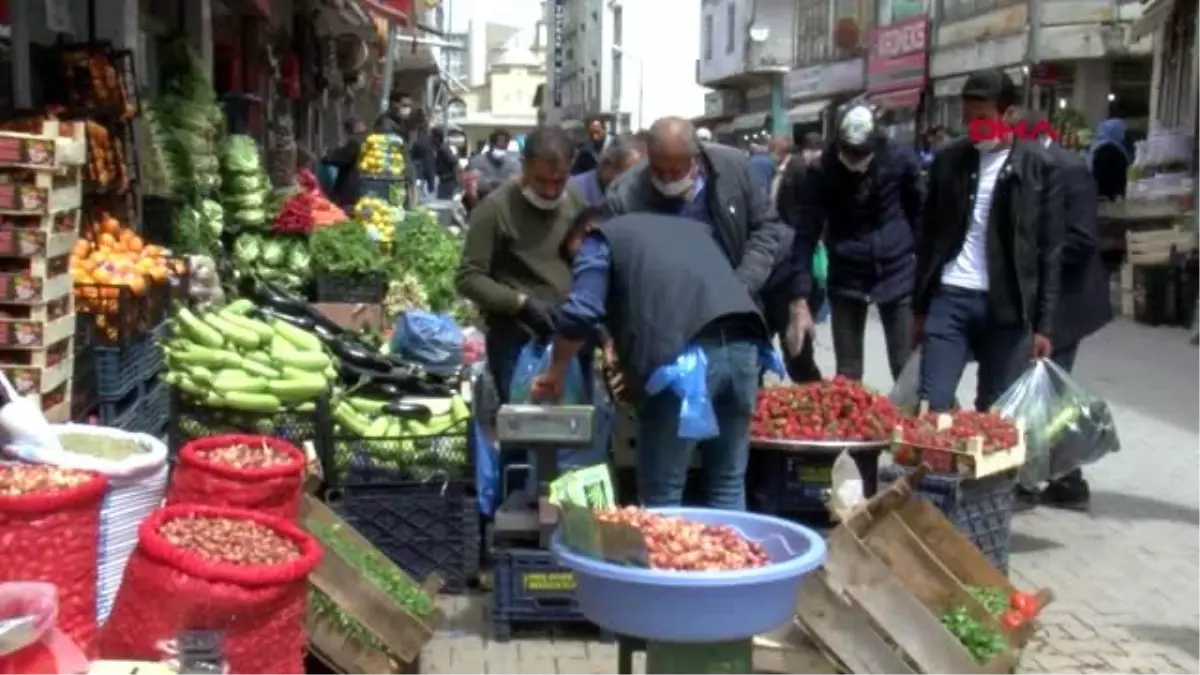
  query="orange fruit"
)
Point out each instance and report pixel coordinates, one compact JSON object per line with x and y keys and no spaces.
{"x":82,"y":248}
{"x":107,"y":240}
{"x":134,"y":244}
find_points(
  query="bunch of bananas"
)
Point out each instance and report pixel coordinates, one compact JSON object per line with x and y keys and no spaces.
{"x":378,"y":217}
{"x":382,"y":155}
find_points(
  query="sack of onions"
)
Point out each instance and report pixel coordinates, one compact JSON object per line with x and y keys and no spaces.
{"x":259,"y":473}
{"x":216,"y":568}
{"x":50,"y":531}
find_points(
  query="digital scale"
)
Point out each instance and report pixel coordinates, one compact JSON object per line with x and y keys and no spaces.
{"x":526,"y":517}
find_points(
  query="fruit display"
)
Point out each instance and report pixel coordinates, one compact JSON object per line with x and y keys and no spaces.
{"x":226,"y":359}
{"x":840,"y":409}
{"x":382,"y":155}
{"x":958,"y":430}
{"x":95,"y":82}
{"x":108,"y":168}
{"x":1012,"y":609}
{"x":245,"y":188}
{"x":378,"y":217}
{"x":198,"y":228}
{"x":368,"y":432}
{"x":674,"y":543}
{"x":228,"y":540}
{"x":430,"y":253}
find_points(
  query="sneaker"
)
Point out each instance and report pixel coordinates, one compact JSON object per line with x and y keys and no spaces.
{"x":1025,"y":499}
{"x":1069,"y":492}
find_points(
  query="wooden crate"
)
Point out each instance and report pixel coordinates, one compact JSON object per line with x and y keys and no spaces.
{"x":1155,"y":247}
{"x":401,"y":632}
{"x":894,"y":565}
{"x":969,"y":462}
{"x":55,"y":147}
{"x":791,"y":650}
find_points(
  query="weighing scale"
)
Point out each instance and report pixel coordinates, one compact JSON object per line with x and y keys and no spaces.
{"x":526,"y":515}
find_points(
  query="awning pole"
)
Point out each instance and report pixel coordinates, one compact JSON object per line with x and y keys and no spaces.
{"x":389,"y":65}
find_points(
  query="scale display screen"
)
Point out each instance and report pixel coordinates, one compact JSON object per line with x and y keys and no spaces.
{"x":562,"y":424}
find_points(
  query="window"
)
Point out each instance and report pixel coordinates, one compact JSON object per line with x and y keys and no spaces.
{"x":708,"y":37}
{"x":730,"y":28}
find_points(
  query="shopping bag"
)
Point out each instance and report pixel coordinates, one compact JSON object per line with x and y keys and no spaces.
{"x":1066,"y":426}
{"x":30,"y":640}
{"x":906,"y":394}
{"x":533,"y":360}
{"x":687,"y":377}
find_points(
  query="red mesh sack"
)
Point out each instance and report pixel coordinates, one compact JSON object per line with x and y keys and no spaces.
{"x":260,"y":609}
{"x":54,"y":537}
{"x":273,"y":490}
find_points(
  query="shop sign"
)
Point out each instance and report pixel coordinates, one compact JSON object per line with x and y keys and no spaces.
{"x":825,"y":79}
{"x":557,"y":50}
{"x":897,"y":57}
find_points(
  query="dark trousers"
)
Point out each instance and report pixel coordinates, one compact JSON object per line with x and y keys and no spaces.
{"x":848,"y":322}
{"x":957,"y":326}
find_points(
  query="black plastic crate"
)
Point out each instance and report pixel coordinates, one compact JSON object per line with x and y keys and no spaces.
{"x":797,"y":484}
{"x":423,"y":527}
{"x":121,"y":413}
{"x":119,"y":370}
{"x":158,"y":219}
{"x":360,"y":461}
{"x":367,"y":288}
{"x":83,"y":384}
{"x":529,"y":586}
{"x":980,"y":508}
{"x":155,"y":409}
{"x":117,"y":316}
{"x":190,"y":419}
{"x":153,"y":361}
{"x":394,"y":191}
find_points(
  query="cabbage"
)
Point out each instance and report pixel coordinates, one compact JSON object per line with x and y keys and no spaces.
{"x":239,"y":202}
{"x":299,"y":261}
{"x":240,"y":155}
{"x":250,"y":217}
{"x":274,"y":253}
{"x":240,"y":184}
{"x":247,"y":249}
{"x":212,"y":210}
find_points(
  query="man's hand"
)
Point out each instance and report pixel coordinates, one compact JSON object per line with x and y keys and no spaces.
{"x":1042,"y":347}
{"x":917,"y":331}
{"x":800,"y":325}
{"x":537,"y":315}
{"x":547,"y":387}
{"x":612,"y":373}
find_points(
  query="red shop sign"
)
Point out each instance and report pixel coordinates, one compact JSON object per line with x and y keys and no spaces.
{"x":897,"y":58}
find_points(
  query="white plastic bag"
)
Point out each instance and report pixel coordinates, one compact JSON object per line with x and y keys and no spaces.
{"x":906,"y":392}
{"x":1066,"y":426}
{"x":136,"y":484}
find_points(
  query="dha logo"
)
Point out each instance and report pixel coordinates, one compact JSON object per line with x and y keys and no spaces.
{"x":999,"y":130}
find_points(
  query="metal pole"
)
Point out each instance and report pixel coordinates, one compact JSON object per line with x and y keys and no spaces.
{"x":641,"y":122}
{"x":389,"y":67}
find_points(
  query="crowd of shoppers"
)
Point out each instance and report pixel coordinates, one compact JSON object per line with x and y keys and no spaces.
{"x":663,"y":242}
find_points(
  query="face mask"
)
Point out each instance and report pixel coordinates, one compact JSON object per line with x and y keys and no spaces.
{"x":404,"y":111}
{"x":811,"y":156}
{"x":540,"y":202}
{"x":855,"y":165}
{"x":498,"y":153}
{"x":988,"y":145}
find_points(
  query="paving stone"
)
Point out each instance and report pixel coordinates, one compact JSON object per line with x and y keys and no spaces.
{"x":545,"y":665}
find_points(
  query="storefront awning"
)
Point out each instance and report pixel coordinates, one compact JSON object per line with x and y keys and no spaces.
{"x":395,"y":11}
{"x":808,"y":112}
{"x":1155,"y":13}
{"x":896,"y":100}
{"x":750,"y":121}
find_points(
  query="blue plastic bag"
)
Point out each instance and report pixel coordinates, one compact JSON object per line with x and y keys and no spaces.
{"x":428,"y":338}
{"x":687,"y":377}
{"x":327,"y":177}
{"x":533,"y":361}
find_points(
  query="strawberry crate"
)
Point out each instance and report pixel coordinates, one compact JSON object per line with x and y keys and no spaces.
{"x":947,"y":451}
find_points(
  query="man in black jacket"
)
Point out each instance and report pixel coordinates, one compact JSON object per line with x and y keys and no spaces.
{"x":588,"y":156}
{"x":710,"y":183}
{"x":864,"y":198}
{"x":989,"y":259}
{"x":344,"y":158}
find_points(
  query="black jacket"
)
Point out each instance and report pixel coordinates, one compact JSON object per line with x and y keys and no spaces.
{"x":747,"y":228}
{"x":792,"y":276}
{"x":346,"y":186}
{"x":1025,"y":232}
{"x":869,"y":222}
{"x":1084,"y":303}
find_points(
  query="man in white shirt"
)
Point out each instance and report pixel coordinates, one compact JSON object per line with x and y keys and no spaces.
{"x":989,"y":260}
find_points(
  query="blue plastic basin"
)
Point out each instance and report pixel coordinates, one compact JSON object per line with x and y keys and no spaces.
{"x":669,"y":606}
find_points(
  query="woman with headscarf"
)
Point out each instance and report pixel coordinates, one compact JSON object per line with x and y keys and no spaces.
{"x":1108,"y":159}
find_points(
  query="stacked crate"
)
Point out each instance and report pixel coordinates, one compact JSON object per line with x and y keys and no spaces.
{"x":40,"y":198}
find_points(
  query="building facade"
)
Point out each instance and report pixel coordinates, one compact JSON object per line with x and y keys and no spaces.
{"x":607,"y":57}
{"x":829,"y":62}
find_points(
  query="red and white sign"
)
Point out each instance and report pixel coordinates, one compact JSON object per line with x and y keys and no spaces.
{"x":998,"y":130}
{"x":898,"y":55}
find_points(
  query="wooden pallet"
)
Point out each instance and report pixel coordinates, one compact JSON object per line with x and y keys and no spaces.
{"x":969,"y":462}
{"x":1154,"y":247}
{"x":894,"y":565}
{"x":401,"y":632}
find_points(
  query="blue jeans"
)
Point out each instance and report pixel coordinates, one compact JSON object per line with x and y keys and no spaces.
{"x":663,"y":457}
{"x":957,"y":326}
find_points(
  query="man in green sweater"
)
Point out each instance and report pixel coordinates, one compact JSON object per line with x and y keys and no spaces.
{"x":512,"y":266}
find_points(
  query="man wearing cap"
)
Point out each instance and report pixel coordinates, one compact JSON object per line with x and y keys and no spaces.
{"x":989,"y":261}
{"x":863,"y":198}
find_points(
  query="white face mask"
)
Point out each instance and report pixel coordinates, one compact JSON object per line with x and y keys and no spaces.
{"x":988,"y":145}
{"x":540,"y":202}
{"x":674,"y":189}
{"x":811,"y":156}
{"x":499,"y":153}
{"x":857,"y":166}
{"x":404,"y":111}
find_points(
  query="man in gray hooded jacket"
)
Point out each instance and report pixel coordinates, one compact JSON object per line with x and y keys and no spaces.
{"x":494,"y":165}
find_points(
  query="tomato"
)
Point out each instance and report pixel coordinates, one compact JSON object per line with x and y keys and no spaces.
{"x":1025,"y":604}
{"x":1011,"y":620}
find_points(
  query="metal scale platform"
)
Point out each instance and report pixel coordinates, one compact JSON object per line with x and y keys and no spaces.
{"x":526,"y":517}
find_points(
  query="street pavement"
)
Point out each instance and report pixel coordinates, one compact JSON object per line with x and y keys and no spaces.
{"x":1125,"y":573}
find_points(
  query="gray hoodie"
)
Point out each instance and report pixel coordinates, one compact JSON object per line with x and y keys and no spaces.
{"x":493,"y":172}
